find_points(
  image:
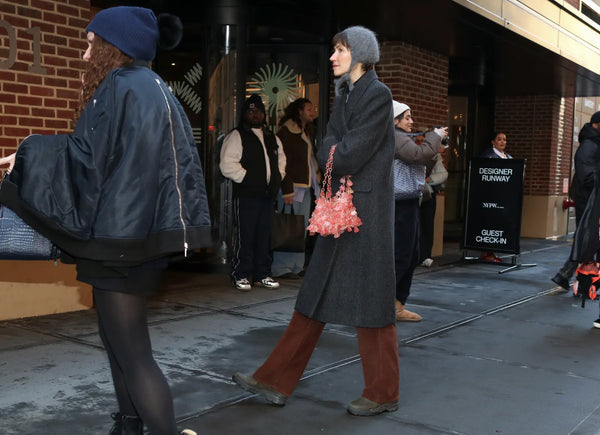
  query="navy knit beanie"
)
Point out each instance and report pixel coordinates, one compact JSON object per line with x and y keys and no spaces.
{"x":133,"y":30}
{"x":253,"y":102}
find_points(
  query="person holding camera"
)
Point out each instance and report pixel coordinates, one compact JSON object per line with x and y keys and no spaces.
{"x":409,"y":182}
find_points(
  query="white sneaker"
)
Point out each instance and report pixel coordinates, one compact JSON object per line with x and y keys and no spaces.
{"x":267,"y":282}
{"x":427,"y":262}
{"x":188,"y":432}
{"x":242,"y":284}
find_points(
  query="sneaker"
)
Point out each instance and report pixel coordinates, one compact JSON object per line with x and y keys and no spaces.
{"x":597,"y":323}
{"x":188,"y":432}
{"x":242,"y":284}
{"x":427,"y":262}
{"x":267,"y":282}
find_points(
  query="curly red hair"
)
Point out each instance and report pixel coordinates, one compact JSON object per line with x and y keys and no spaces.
{"x":104,"y":57}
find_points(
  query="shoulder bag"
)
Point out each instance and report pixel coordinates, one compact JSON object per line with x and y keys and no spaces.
{"x":334,"y":215}
{"x":18,"y":241}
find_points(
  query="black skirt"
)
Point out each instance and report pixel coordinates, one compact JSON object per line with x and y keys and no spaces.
{"x":143,"y":279}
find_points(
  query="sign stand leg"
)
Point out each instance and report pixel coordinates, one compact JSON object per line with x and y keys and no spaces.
{"x":516,"y":266}
{"x":513,"y":265}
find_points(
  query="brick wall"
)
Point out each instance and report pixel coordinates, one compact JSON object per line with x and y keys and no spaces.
{"x":41,"y":48}
{"x":539,"y":129}
{"x":418,"y":78}
{"x":574,"y":3}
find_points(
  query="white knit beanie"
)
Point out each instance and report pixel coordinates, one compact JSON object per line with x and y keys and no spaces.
{"x":399,"y":108}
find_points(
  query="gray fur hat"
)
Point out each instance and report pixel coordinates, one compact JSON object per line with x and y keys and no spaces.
{"x":364,"y":48}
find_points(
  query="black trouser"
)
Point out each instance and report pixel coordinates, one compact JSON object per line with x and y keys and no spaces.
{"x":427,"y":217}
{"x":406,"y":245}
{"x":252,"y":221}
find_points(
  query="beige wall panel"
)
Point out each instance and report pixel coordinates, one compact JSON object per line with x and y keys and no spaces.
{"x":35,"y":288}
{"x":530,"y":26}
{"x":490,"y":9}
{"x":29,"y":300}
{"x":572,"y":49}
{"x":547,"y":25}
{"x":543,"y":217}
{"x":581,"y":30}
{"x":573,"y":25}
{"x":545,"y":8}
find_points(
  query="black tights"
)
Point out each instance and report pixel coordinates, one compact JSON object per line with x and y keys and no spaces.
{"x":140,"y":385}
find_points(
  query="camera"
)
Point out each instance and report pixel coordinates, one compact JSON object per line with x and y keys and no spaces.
{"x":445,"y":140}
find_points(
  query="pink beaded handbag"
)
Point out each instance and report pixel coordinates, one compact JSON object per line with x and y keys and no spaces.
{"x":334,"y":215}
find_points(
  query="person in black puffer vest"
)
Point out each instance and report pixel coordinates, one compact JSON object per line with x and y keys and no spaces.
{"x":253,"y":158}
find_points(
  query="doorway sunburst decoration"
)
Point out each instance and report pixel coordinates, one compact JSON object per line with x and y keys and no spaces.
{"x":278,"y":84}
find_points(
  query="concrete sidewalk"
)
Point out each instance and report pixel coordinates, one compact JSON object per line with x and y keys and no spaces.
{"x":495,"y":354}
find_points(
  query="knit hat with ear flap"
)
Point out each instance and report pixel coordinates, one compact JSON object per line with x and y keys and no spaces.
{"x":363,"y":45}
{"x":364,"y":48}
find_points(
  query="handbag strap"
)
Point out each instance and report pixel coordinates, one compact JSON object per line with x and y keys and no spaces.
{"x":283,"y":208}
{"x":326,"y":189}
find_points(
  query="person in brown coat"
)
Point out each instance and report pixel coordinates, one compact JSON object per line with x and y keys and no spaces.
{"x":301,"y":179}
{"x":350,"y":279}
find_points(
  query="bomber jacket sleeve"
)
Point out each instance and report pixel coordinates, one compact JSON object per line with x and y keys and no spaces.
{"x":47,"y":176}
{"x":58,"y":178}
{"x":231,"y":155}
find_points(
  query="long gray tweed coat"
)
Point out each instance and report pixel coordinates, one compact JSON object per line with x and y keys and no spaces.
{"x":351,"y":280}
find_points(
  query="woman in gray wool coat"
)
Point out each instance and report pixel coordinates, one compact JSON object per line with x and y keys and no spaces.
{"x":350,"y":280}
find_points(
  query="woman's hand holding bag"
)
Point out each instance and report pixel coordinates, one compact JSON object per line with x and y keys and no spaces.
{"x":334,"y":215}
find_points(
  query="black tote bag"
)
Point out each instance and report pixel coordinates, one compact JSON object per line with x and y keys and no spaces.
{"x":288,"y":231}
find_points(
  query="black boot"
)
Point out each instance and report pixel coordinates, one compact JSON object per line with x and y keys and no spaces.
{"x":126,"y":425}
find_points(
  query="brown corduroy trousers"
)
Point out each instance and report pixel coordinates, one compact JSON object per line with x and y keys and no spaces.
{"x":378,"y":349}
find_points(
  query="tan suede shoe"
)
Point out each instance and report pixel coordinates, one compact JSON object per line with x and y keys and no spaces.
{"x":365,"y":407}
{"x":249,"y":383}
{"x":403,"y":315}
